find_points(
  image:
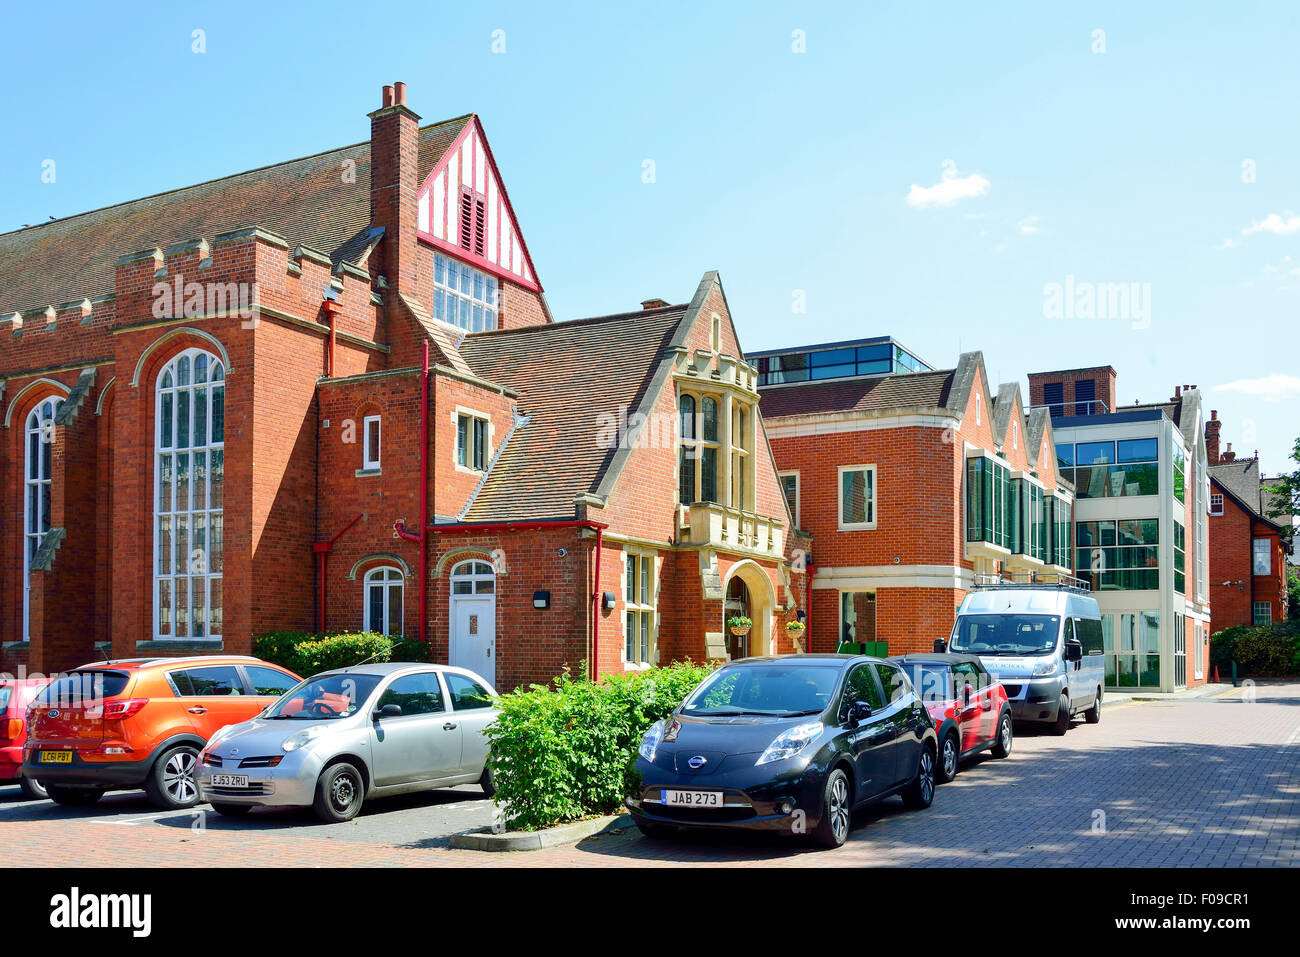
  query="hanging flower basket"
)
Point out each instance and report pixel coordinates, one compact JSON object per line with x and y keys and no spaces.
{"x":739,"y":625}
{"x":795,"y":628}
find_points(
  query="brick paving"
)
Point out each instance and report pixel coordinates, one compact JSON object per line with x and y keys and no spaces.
{"x":1198,"y":782}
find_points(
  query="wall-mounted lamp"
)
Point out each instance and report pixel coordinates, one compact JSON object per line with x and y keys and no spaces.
{"x":541,"y":599}
{"x":607,"y":601}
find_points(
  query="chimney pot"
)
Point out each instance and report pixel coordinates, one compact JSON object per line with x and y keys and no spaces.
{"x":388,"y":96}
{"x":399,"y":93}
{"x":653,"y":303}
{"x":1214,"y":413}
{"x":1178,"y":391}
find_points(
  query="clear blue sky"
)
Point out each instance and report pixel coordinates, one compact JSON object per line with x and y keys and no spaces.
{"x":785,"y":171}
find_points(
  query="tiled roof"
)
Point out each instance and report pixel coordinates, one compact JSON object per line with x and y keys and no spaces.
{"x":305,"y":200}
{"x":908,"y":390}
{"x":566,"y":374}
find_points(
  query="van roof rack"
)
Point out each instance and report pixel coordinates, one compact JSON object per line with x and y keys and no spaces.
{"x":1033,"y":580}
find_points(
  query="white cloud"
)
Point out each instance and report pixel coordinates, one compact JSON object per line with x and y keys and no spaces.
{"x":951,"y":188}
{"x":1227,"y":244}
{"x":1279,"y":225}
{"x":1029,"y":225}
{"x":1270,"y":388}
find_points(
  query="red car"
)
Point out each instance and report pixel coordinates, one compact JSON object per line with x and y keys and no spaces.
{"x":15,"y":695}
{"x":968,"y":705}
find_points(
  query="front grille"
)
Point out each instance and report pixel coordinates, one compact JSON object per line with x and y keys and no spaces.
{"x":265,"y":761}
{"x":253,"y":790}
{"x":705,"y":815}
{"x":1013,"y":691}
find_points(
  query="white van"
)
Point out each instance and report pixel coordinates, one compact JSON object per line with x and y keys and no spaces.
{"x":1043,"y":642}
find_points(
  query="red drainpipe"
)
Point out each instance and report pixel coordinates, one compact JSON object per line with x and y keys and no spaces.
{"x":332,"y":309}
{"x":424,"y":497}
{"x":322,"y":550}
{"x":597,"y":527}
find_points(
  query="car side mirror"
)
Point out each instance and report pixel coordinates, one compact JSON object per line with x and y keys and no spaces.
{"x":389,"y":711}
{"x":858,"y":711}
{"x":1074,"y":650}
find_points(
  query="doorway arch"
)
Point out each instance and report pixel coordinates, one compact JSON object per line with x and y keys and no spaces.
{"x":748,"y":581}
{"x":473,"y":618}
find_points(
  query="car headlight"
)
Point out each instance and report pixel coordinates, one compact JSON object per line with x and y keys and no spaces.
{"x":1045,"y":668}
{"x":650,"y":743}
{"x":790,"y":742}
{"x":302,"y":738}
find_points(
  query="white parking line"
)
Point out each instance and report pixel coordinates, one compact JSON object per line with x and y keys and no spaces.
{"x":1294,"y":739}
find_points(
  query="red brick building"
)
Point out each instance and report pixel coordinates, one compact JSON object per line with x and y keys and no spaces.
{"x":329,"y":394}
{"x":910,"y":483}
{"x":1248,"y":543}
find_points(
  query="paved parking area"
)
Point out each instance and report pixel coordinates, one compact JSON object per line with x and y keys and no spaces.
{"x":1194,"y":782}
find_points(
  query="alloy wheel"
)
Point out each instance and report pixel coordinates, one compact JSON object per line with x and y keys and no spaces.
{"x":178,"y":777}
{"x":839,"y":808}
{"x":949,"y":758}
{"x":927,"y":776}
{"x":1006,"y":734}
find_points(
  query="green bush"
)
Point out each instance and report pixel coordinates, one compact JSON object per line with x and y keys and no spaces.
{"x":410,"y":649}
{"x":567,"y":752}
{"x":306,"y":654}
{"x":1260,"y":651}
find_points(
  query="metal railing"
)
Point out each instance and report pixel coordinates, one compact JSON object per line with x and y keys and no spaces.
{"x":1082,"y":407}
{"x":1033,"y":579}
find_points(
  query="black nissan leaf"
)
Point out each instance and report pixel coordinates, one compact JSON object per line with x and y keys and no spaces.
{"x":788,"y":744}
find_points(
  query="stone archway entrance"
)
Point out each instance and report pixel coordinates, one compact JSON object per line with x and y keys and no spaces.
{"x":748,"y":592}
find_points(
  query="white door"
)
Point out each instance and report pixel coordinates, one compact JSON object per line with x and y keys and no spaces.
{"x":474,"y":635}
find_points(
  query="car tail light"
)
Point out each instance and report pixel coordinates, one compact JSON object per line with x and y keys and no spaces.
{"x":13,"y":728}
{"x":118,"y":710}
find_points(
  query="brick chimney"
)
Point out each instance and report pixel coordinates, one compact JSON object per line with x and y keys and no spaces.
{"x":394,"y":166}
{"x":647,"y":304}
{"x":1229,"y":455}
{"x":1212,"y":438}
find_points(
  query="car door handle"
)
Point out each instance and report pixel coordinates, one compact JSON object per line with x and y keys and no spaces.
{"x":449,"y":726}
{"x":197,"y":710}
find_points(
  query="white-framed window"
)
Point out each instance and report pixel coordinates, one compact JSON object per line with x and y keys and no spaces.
{"x":1263,"y":613}
{"x":463,"y":296}
{"x":189,"y":487}
{"x":471,"y":441}
{"x":1263,"y":558}
{"x":790,"y":489}
{"x":384,"y":592}
{"x":473,"y":577}
{"x":1216,"y":503}
{"x":371,"y":434}
{"x":741,"y":423}
{"x":857,"y":496}
{"x":38,"y":444}
{"x":639,"y":590}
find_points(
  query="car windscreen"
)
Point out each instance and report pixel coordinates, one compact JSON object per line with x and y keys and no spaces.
{"x":83,"y":688}
{"x":777,"y":690}
{"x":6,"y":693}
{"x":324,"y":697}
{"x":1005,"y":634}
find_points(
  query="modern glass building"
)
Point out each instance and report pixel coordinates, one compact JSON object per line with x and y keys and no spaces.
{"x":878,"y":356}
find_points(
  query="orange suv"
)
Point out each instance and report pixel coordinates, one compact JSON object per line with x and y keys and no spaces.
{"x":141,"y":722}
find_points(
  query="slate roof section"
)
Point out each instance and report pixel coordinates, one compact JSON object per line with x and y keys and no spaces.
{"x":909,"y":390}
{"x":307,"y":201}
{"x":566,"y":375}
{"x":1241,"y":480}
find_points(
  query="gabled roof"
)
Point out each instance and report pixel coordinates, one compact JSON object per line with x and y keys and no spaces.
{"x":307,"y":201}
{"x":566,"y":375}
{"x":1241,"y":481}
{"x":1008,"y":399}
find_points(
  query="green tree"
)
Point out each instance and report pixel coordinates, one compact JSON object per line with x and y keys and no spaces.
{"x":1285,"y":502}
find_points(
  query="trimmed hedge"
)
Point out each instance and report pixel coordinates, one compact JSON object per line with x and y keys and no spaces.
{"x":306,"y":654}
{"x":567,"y":752}
{"x":1263,"y":651}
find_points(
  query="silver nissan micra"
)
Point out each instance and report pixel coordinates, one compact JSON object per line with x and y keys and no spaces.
{"x":340,"y":737}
